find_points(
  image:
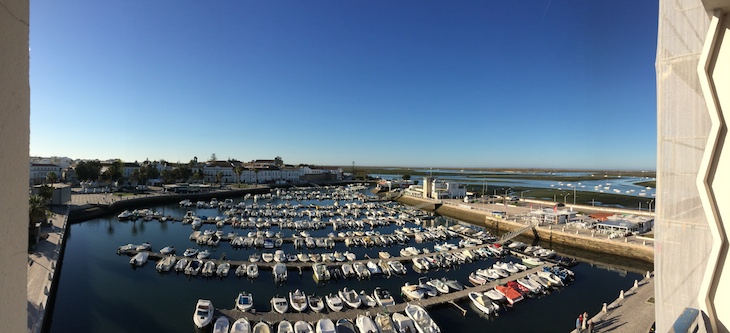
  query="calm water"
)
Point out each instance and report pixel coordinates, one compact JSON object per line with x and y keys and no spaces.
{"x":99,"y":292}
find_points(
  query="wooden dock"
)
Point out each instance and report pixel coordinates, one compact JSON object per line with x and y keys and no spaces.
{"x":312,"y":317}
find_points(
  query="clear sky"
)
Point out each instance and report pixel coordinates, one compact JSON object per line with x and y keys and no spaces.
{"x":504,"y":83}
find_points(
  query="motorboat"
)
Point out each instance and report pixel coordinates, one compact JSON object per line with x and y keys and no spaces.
{"x":203,"y":314}
{"x":221,"y":325}
{"x":298,"y":300}
{"x":483,"y":303}
{"x":397,"y":267}
{"x":501,"y":272}
{"x":261,"y":327}
{"x":124,"y":249}
{"x":361,"y":270}
{"x":421,"y":319}
{"x":554,"y":280}
{"x":403,"y":324}
{"x":125,"y":215}
{"x":223,"y":269}
{"x":366,"y":325}
{"x":383,"y":297}
{"x":325,"y":325}
{"x":367,"y":300}
{"x":205,"y":254}
{"x":139,"y":259}
{"x":385,"y":267}
{"x":167,"y":250}
{"x":440,"y":286}
{"x":254,"y":257}
{"x":345,"y":326}
{"x":453,"y":284}
{"x":477,"y":279}
{"x":519,"y":266}
{"x":208,"y":268}
{"x":334,"y":302}
{"x":530,"y":285}
{"x":244,"y":301}
{"x":539,"y":280}
{"x":373,"y":268}
{"x":193,"y":268}
{"x":384,"y":255}
{"x":241,"y":326}
{"x":430,"y":291}
{"x":303,"y":327}
{"x":519,"y":287}
{"x":347,"y":270}
{"x":315,"y":303}
{"x":280,"y":273}
{"x":241,"y":271}
{"x":413,"y":292}
{"x":279,"y":304}
{"x":279,"y":256}
{"x":384,"y":323}
{"x":532,"y":261}
{"x":494,"y":295}
{"x":512,"y":296}
{"x":285,"y":327}
{"x":320,"y":272}
{"x":489,"y":274}
{"x":350,"y":297}
{"x":303,"y":257}
{"x":507,"y":266}
{"x":420,"y":263}
{"x":190,"y":252}
{"x":181,"y":264}
{"x":267,"y":257}
{"x":166,"y":263}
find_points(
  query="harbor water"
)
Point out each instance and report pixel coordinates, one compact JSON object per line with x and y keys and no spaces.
{"x":98,"y":291}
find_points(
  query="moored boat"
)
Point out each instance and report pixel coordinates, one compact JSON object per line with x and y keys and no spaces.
{"x":325,"y":325}
{"x":384,"y":323}
{"x":241,"y":326}
{"x":221,"y":325}
{"x":315,"y":303}
{"x":365,"y":324}
{"x":512,"y":296}
{"x":203,"y":314}
{"x":285,"y":327}
{"x":298,"y":300}
{"x":334,"y":302}
{"x":345,"y":326}
{"x":421,"y":319}
{"x":279,"y":304}
{"x":261,"y":327}
{"x":303,"y":327}
{"x":483,"y":303}
{"x":280,"y":273}
{"x":383,"y":297}
{"x":350,"y":297}
{"x":244,"y":301}
{"x":403,"y":324}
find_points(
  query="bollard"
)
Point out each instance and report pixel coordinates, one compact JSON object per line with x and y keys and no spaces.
{"x":576,"y":232}
{"x":644,"y":243}
{"x":50,"y":276}
{"x":648,"y":274}
{"x":605,"y":308}
{"x":621,"y":295}
{"x":636,"y":284}
{"x":626,"y":240}
{"x":45,"y":290}
{"x":563,"y":229}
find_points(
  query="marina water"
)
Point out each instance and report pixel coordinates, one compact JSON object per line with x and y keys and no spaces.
{"x":98,"y":291}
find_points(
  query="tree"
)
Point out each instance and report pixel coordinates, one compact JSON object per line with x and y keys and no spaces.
{"x":406,"y":177}
{"x":89,"y":170}
{"x":213,"y":157}
{"x":52,"y":177}
{"x":218,"y":177}
{"x":238,"y":170}
{"x":278,"y":161}
{"x":116,"y":170}
{"x":37,"y":212}
{"x":45,"y":192}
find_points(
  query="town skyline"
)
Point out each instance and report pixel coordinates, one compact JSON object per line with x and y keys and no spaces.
{"x":475,"y":85}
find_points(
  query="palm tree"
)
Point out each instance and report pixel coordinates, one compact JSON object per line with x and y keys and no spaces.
{"x":52,"y":177}
{"x":37,"y":212}
{"x":218,"y":177}
{"x":238,"y":170}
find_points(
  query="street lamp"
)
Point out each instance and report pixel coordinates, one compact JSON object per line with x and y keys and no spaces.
{"x":565,"y":199}
{"x":650,"y":202}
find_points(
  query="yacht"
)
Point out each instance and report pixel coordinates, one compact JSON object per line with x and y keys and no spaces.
{"x":203,"y":314}
{"x":244,"y":301}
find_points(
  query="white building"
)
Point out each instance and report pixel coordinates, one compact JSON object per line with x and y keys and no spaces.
{"x":552,"y":216}
{"x":39,"y":172}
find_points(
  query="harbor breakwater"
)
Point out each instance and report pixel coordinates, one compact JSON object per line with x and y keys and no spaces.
{"x":555,"y":234}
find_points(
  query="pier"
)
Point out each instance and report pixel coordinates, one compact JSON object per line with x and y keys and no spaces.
{"x":312,"y":317}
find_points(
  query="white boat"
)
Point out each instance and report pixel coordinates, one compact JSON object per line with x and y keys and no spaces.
{"x":403,"y":324}
{"x":208,"y":268}
{"x":384,"y":255}
{"x":303,"y":327}
{"x":223,"y":269}
{"x":254,"y":257}
{"x":285,"y":327}
{"x":347,"y":270}
{"x":366,"y":325}
{"x":423,"y":322}
{"x":280,"y":273}
{"x":397,"y":267}
{"x":483,"y":303}
{"x":532,"y":261}
{"x":298,"y":300}
{"x":320,"y":272}
{"x":494,"y":295}
{"x":325,"y":325}
{"x":193,"y":268}
{"x":139,"y":259}
{"x":430,"y":291}
{"x":244,"y":301}
{"x":167,"y":250}
{"x":383,"y":297}
{"x":367,"y":300}
{"x":221,"y":325}
{"x":190,"y":252}
{"x":345,"y":326}
{"x":252,"y":270}
{"x":477,"y":279}
{"x":166,"y":263}
{"x":241,"y":271}
{"x":316,"y":303}
{"x":241,"y":326}
{"x":440,"y":286}
{"x":267,"y":257}
{"x":452,"y":284}
{"x":373,"y":268}
{"x":554,"y":280}
{"x":413,"y":292}
{"x":279,"y":304}
{"x":279,"y":256}
{"x":350,"y":297}
{"x":261,"y":327}
{"x":361,"y":270}
{"x":205,"y":254}
{"x":203,"y":314}
{"x":539,"y":280}
{"x":124,"y":249}
{"x":181,"y":264}
{"x":334,"y":302}
{"x":384,"y":323}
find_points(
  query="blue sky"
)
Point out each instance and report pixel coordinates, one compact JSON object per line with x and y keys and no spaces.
{"x":553,"y":84}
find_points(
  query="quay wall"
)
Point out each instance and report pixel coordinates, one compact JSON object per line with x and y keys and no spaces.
{"x":616,"y":247}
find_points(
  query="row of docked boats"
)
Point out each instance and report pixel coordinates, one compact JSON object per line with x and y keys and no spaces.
{"x":322,"y":272}
{"x":416,"y":319}
{"x":430,"y":288}
{"x":298,"y":301}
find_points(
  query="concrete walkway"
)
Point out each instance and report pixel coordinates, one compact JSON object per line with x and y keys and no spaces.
{"x":42,"y":260}
{"x":631,"y":312}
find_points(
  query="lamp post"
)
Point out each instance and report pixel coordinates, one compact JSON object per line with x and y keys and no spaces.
{"x":565,"y":199}
{"x":650,"y":202}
